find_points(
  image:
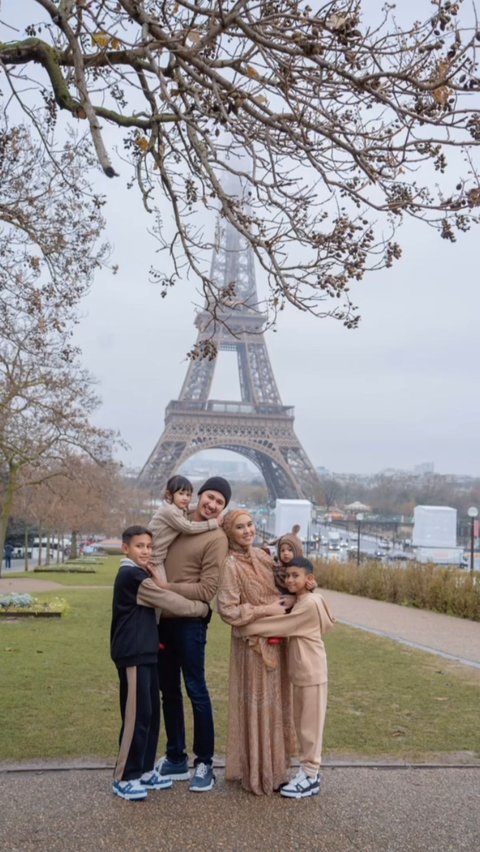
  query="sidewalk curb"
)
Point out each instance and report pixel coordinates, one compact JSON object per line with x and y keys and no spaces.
{"x":220,"y":765}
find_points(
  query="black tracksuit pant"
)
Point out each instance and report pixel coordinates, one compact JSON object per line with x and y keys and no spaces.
{"x":140,"y":710}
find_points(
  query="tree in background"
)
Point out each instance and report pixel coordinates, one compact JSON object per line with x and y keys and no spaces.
{"x":50,"y":230}
{"x":78,"y":498}
{"x":315,"y":131}
{"x":391,"y":495}
{"x":50,"y":225}
{"x":90,"y":499}
{"x":330,"y":492}
{"x":45,"y":408}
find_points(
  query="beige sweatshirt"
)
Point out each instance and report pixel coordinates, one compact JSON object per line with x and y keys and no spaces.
{"x":169,"y":603}
{"x":167,"y":523}
{"x":193,"y":563}
{"x":304,"y":626}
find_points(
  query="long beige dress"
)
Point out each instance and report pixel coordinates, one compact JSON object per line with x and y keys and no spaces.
{"x":261,"y":736}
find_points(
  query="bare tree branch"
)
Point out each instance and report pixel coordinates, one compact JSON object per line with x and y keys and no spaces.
{"x":335,"y":123}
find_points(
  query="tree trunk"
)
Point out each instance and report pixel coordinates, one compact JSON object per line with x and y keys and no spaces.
{"x":47,"y":551}
{"x":6,"y":508}
{"x":40,"y":548}
{"x":25,"y":542}
{"x":74,"y":549}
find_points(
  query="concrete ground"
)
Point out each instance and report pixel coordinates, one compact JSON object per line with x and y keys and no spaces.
{"x":364,"y":809}
{"x":374,"y":808}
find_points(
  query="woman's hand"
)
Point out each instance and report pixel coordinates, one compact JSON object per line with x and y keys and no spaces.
{"x":287,"y":601}
{"x":311,"y":583}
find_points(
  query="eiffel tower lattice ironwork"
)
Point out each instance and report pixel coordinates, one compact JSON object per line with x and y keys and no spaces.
{"x":258,"y":427}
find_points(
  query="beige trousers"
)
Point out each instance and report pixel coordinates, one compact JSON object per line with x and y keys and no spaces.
{"x":309,"y":709}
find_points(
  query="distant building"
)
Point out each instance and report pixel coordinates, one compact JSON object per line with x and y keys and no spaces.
{"x":353,"y":508}
{"x":435,"y":535}
{"x":424,"y":468}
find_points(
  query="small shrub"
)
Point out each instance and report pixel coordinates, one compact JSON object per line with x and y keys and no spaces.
{"x":23,"y":603}
{"x":430,"y":587}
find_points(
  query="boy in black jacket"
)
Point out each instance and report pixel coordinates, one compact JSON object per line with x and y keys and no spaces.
{"x":134,"y":650}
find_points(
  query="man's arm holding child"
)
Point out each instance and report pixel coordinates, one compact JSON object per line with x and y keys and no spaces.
{"x":205,"y":588}
{"x":149,"y":594}
{"x":175,"y":518}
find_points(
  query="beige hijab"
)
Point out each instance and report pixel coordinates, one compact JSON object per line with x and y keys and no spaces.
{"x":260,"y":567}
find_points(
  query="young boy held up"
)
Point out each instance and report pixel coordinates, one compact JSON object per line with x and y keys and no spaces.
{"x":134,"y":650}
{"x":305,"y":626}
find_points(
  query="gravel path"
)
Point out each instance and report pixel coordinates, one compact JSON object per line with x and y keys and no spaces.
{"x":358,"y":810}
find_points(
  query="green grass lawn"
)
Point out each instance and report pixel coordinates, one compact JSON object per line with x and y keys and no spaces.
{"x":59,"y":694}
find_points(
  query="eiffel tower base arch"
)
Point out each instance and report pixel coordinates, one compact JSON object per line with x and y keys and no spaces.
{"x":269,"y":442}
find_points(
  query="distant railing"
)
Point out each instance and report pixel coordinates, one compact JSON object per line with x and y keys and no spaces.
{"x":222,"y":407}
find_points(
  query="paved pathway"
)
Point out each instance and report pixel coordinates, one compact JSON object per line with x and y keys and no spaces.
{"x":28,"y":585}
{"x":359,"y":810}
{"x":455,"y":638}
{"x":33,"y":585}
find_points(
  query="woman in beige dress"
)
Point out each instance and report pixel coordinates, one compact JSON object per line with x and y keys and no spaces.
{"x":261,"y":737}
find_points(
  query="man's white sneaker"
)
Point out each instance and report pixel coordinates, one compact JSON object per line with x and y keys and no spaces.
{"x":134,"y":791}
{"x":175,"y":771}
{"x":301,"y":786}
{"x":203,"y":778}
{"x":154,"y":781}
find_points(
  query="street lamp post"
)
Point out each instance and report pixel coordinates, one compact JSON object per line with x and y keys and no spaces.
{"x":263,"y":523}
{"x":472,"y":513}
{"x":359,"y":519}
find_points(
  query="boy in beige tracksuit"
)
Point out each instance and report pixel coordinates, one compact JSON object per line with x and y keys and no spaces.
{"x":304,"y":626}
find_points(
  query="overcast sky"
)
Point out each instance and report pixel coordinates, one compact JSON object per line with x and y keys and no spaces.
{"x":400,"y":390}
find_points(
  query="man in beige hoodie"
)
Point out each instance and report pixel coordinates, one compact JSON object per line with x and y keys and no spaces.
{"x":304,"y":626}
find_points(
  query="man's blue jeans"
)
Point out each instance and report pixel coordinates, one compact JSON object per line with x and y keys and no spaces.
{"x":183,"y":652}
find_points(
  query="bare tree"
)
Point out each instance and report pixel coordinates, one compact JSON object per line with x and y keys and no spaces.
{"x":314,"y":131}
{"x":90,"y":497}
{"x":330,"y":493}
{"x":50,"y":228}
{"x":50,"y":225}
{"x":45,"y":408}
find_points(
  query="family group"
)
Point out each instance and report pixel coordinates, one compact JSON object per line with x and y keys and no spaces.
{"x":172,"y":571}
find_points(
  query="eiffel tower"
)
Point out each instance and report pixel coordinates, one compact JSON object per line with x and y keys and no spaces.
{"x":258,"y":427}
